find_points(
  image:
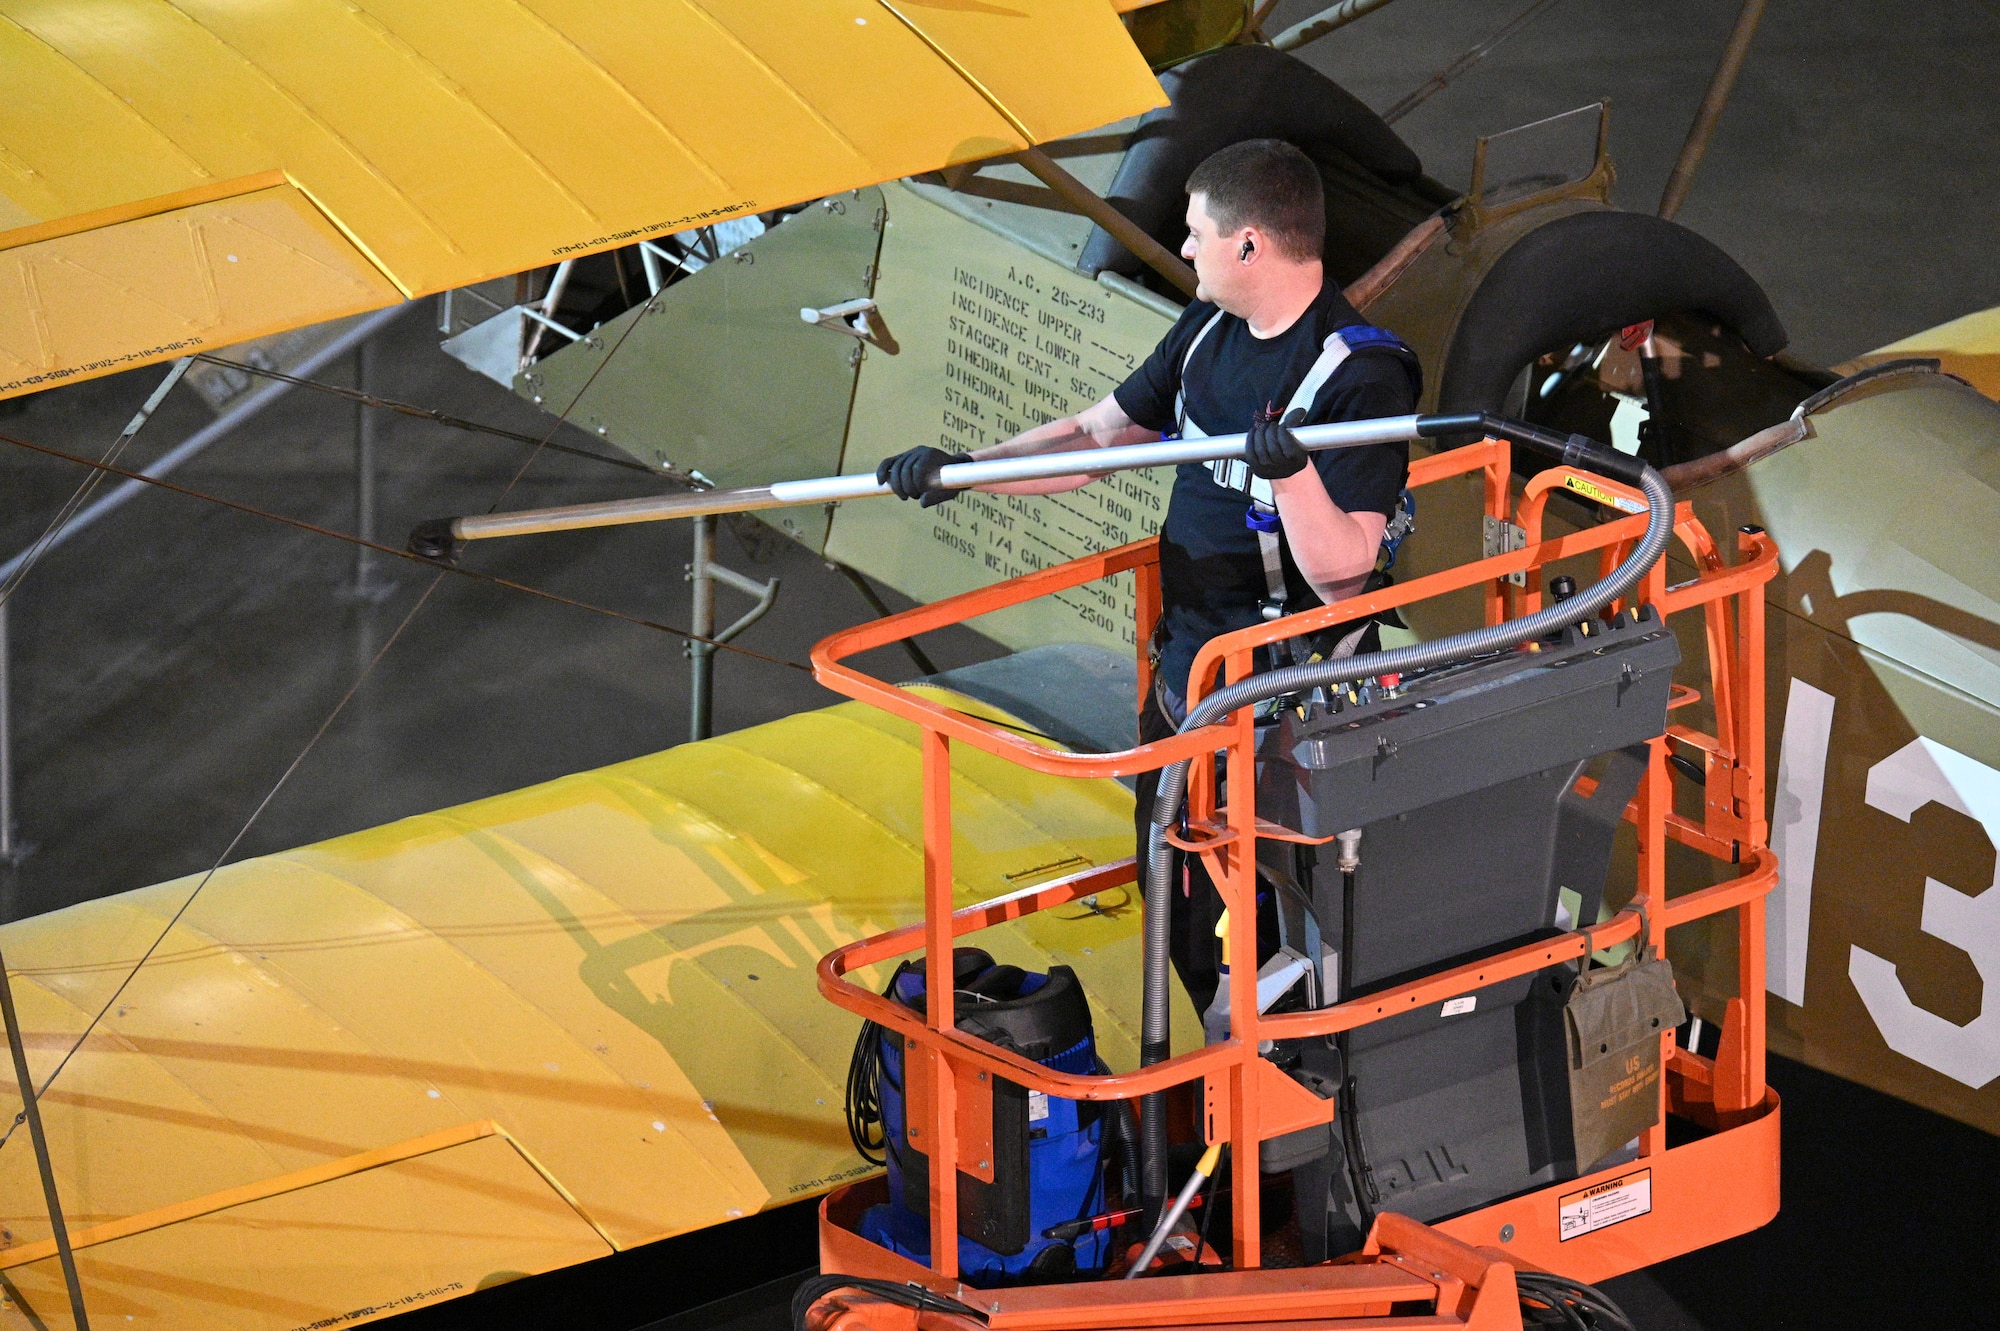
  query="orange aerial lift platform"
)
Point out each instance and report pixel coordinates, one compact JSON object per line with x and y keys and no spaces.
{"x":1704,"y":1166}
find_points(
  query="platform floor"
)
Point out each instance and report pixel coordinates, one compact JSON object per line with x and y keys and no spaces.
{"x":168,"y":665}
{"x":1868,"y":1237}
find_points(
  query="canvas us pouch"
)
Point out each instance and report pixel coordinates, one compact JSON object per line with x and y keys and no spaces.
{"x":1613,"y":1022}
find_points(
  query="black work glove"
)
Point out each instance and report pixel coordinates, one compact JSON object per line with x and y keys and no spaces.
{"x":1271,"y":449}
{"x":914,"y":474}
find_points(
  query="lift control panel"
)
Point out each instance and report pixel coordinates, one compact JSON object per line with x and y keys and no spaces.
{"x":1385,"y":746}
{"x":1474,"y":831}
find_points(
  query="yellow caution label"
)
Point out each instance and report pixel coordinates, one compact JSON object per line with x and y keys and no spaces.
{"x":1592,"y":491}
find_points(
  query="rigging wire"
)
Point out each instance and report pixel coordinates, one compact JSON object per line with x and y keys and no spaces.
{"x":426,"y":413}
{"x":1436,"y":82}
{"x":476,"y":575}
{"x":234,"y":841}
{"x":71,"y":506}
{"x":354,"y":688}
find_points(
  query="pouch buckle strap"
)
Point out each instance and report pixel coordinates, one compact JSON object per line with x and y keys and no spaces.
{"x":1642,"y":946}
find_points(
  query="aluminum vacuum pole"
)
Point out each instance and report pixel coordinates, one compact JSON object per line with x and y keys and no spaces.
{"x":440,"y":537}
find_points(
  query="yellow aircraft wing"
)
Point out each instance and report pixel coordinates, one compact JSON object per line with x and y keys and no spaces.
{"x":505,"y":1037}
{"x":1968,"y":347}
{"x":184,"y":175}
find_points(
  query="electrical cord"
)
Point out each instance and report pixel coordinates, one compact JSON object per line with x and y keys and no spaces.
{"x":863,"y":1104}
{"x":1209,"y":1199}
{"x":1548,"y":1299}
{"x":1121,"y":1130}
{"x":912,"y":1295}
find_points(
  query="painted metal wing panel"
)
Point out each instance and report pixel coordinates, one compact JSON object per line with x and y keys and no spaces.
{"x":614,"y":972}
{"x":1968,"y":346}
{"x":456,"y":140}
{"x":266,"y":1259}
{"x":259,"y":258}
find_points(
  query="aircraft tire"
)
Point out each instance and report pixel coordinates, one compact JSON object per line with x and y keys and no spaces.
{"x":1585,"y":274}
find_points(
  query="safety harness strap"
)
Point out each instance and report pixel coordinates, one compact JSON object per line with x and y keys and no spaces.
{"x":1183,"y":428}
{"x":1234,"y":473}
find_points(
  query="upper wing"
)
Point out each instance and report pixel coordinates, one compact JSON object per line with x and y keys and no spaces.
{"x":180,"y":176}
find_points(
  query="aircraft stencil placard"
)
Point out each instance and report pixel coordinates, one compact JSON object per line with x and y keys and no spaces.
{"x":995,"y":340}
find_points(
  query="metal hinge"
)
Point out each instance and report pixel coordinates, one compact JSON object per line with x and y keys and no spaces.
{"x":1504,"y":538}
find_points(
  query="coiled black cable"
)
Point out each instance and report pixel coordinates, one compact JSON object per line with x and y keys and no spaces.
{"x":910,"y":1296}
{"x":863,"y":1105}
{"x":1548,"y":1299}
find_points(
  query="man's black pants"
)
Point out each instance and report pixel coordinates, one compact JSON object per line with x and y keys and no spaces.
{"x":1195,"y":907}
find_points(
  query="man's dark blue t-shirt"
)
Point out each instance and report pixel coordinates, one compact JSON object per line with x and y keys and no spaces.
{"x":1211,"y":570}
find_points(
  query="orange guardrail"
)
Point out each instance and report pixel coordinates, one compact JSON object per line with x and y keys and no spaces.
{"x":1247,"y":1102}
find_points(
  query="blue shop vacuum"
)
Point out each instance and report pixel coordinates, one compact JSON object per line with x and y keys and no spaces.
{"x":1049,"y":1157}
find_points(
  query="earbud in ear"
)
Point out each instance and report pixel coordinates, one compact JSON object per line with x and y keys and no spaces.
{"x":1247,"y":250}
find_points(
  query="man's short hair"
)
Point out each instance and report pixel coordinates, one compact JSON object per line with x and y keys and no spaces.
{"x":1268,"y":184}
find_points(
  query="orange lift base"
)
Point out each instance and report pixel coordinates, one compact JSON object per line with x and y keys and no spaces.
{"x":1459,"y":1272}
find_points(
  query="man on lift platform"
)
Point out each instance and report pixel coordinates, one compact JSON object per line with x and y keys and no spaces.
{"x":1267,"y":344}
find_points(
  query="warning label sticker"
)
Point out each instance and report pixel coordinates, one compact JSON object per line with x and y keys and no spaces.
{"x":1602,"y":495}
{"x":1592,"y":1209}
